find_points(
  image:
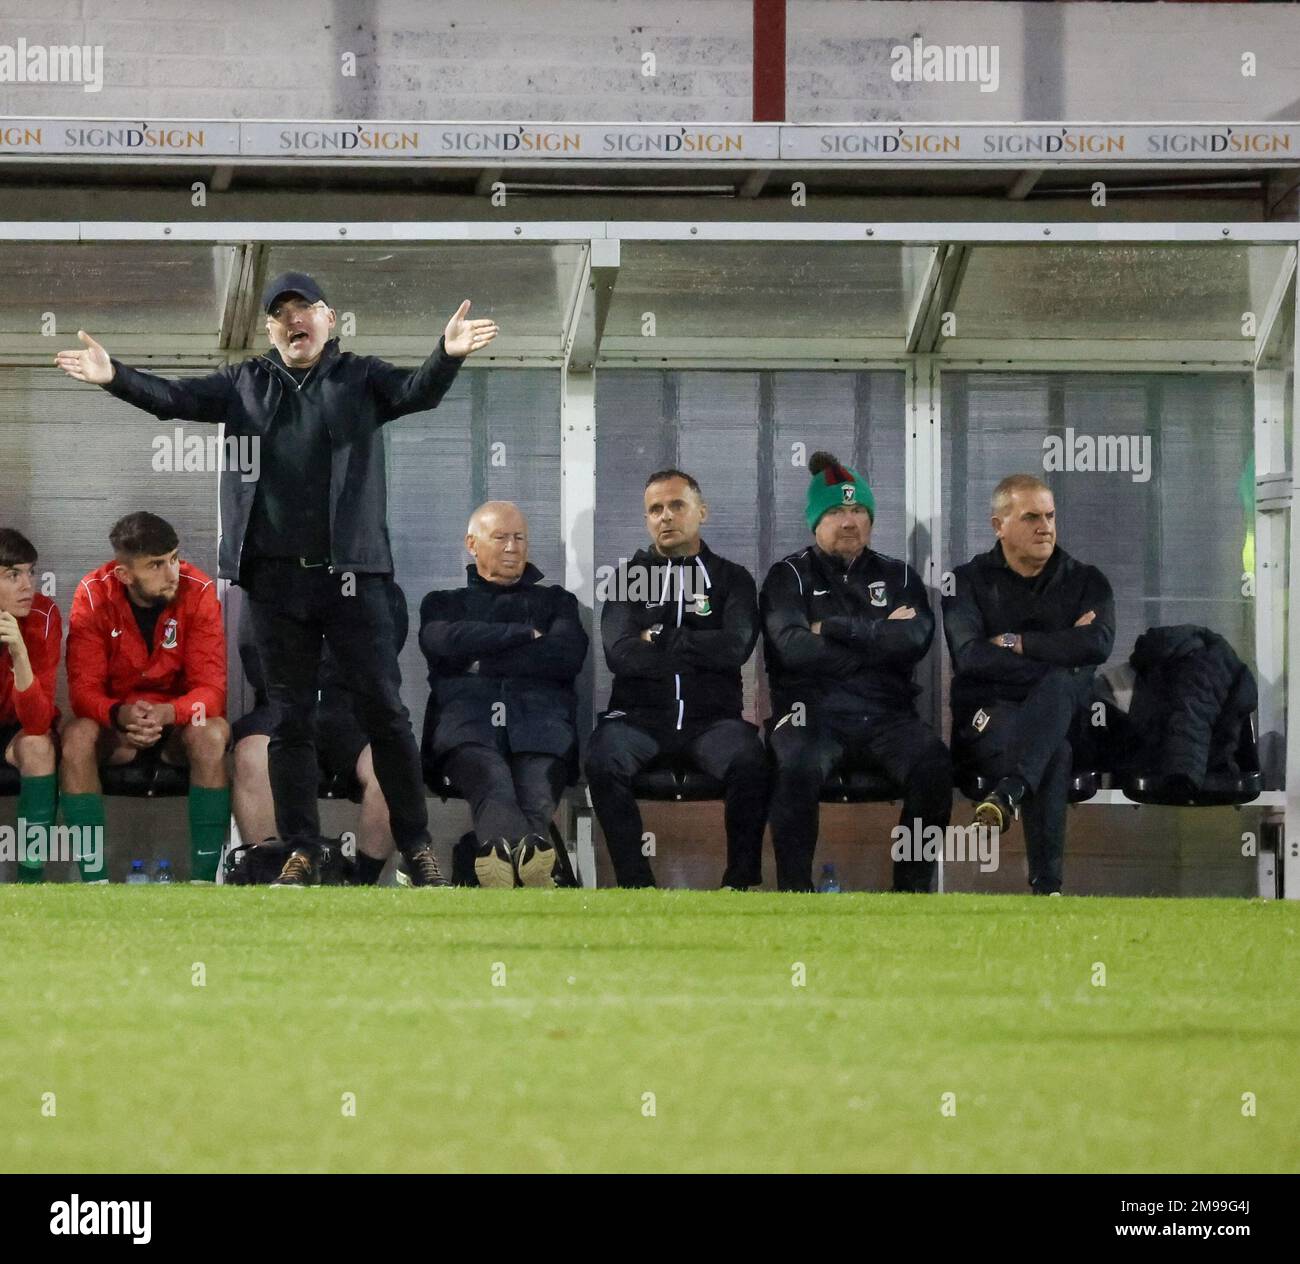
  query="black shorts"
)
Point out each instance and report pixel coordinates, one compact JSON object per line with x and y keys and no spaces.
{"x":340,"y":739}
{"x":7,"y":734}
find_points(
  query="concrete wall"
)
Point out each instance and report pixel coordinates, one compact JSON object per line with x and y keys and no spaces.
{"x":582,"y":60}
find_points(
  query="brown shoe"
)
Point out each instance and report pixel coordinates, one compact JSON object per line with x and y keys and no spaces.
{"x":299,"y":871}
{"x":424,"y":869}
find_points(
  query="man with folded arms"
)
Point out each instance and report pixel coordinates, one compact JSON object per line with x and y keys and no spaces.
{"x":678,"y":627}
{"x":504,"y":652}
{"x":845,"y":627}
{"x":1027,"y":626}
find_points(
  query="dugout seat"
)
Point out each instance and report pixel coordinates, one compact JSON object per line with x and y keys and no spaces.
{"x":146,"y":779}
{"x":341,"y":785}
{"x":1217,"y":790}
{"x":675,"y":778}
{"x":1084,"y":783}
{"x":9,"y":780}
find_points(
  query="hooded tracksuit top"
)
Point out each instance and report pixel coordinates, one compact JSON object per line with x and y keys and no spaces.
{"x":689,"y":676}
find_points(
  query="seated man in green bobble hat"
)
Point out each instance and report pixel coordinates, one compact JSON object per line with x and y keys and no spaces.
{"x":844,"y":627}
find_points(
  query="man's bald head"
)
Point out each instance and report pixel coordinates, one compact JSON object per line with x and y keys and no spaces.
{"x":497,"y":540}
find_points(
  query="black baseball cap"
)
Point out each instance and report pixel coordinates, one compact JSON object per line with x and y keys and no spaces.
{"x":292,"y":283}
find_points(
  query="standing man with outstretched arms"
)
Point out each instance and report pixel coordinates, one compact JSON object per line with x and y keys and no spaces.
{"x":307,"y":539}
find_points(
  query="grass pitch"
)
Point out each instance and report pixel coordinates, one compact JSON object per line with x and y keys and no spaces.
{"x":499,"y":1030}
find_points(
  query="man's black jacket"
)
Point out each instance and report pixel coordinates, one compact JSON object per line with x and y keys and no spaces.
{"x":991,"y":598}
{"x":1192,"y":699}
{"x":355,"y":396}
{"x":690,"y":675}
{"x":862,"y":661}
{"x":479,"y":643}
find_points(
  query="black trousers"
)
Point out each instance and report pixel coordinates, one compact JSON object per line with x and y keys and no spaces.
{"x":1030,"y":739}
{"x":294,"y":610}
{"x":729,"y":750}
{"x":509,"y":794}
{"x":901,"y":745}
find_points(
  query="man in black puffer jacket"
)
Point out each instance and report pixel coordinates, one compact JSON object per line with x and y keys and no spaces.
{"x":844,"y":627}
{"x":1026,"y":627}
{"x":678,"y":625}
{"x":503,"y":653}
{"x":1192,"y":698}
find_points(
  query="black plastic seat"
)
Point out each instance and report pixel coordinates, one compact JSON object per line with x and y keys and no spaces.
{"x":1217,"y":790}
{"x":1220,"y":790}
{"x":341,"y":785}
{"x":146,"y":779}
{"x":1084,"y":783}
{"x":857,"y":785}
{"x":9,"y":779}
{"x":673,"y":778}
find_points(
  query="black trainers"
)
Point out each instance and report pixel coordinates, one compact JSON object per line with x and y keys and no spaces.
{"x":534,"y":859}
{"x":424,"y":869}
{"x":493,"y":866}
{"x":1001,"y":806}
{"x":299,"y":871}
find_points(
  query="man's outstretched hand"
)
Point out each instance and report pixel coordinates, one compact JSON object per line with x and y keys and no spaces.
{"x":460,"y":337}
{"x":92,"y":364}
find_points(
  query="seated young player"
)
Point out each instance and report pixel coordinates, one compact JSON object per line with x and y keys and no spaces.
{"x":342,"y":748}
{"x":31,"y":635}
{"x":147,"y":680}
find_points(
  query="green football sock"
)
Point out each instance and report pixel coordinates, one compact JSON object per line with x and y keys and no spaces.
{"x":209,"y":829}
{"x":86,"y":811}
{"x":38,"y":799}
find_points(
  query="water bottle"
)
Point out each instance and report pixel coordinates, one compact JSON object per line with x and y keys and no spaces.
{"x":137,"y":873}
{"x":163,"y":871}
{"x":829,"y":883}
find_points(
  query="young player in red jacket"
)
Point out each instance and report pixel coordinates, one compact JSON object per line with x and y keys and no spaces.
{"x":147,"y":679}
{"x":31,"y":635}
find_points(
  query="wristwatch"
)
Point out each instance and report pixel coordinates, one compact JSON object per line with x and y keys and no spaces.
{"x":1007,"y":640}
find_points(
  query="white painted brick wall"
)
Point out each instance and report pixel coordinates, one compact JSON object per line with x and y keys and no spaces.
{"x":581,"y":59}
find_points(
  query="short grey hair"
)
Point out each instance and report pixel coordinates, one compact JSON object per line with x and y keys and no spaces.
{"x":1013,"y":483}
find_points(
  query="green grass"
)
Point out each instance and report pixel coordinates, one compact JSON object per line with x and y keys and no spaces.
{"x":608,"y":995}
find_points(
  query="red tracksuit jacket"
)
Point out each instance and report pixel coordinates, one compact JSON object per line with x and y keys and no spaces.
{"x":34,"y":708}
{"x":108,"y":661}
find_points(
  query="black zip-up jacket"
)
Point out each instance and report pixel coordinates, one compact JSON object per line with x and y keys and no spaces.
{"x":355,"y":396}
{"x":990,"y":598}
{"x":863,"y":660}
{"x":479,"y":644}
{"x":1192,"y":699}
{"x":690,"y":675}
